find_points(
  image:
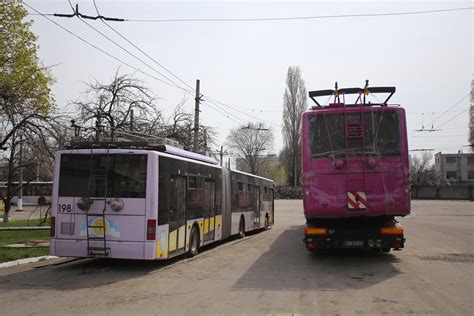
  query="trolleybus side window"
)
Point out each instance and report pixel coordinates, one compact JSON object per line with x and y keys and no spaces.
{"x":209,"y":198}
{"x":196,"y":196}
{"x":326,"y":135}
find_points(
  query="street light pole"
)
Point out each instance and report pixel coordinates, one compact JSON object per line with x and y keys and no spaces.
{"x":20,"y":194}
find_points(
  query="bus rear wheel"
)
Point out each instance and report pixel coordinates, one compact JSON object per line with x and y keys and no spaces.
{"x":242,"y":228}
{"x":194,"y":243}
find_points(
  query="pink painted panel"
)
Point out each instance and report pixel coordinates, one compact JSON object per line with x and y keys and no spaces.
{"x":326,"y":181}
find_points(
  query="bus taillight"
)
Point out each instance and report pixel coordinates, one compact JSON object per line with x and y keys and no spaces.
{"x":151,"y":229}
{"x":52,"y":230}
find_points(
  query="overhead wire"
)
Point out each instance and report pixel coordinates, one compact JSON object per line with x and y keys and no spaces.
{"x":454,"y":105}
{"x":289,"y":18}
{"x":216,"y":103}
{"x":441,"y":115}
{"x":126,"y":50}
{"x":96,"y":47}
{"x":445,"y":122}
{"x":142,"y":51}
{"x":239,"y":111}
{"x":316,"y":17}
{"x":230,"y":117}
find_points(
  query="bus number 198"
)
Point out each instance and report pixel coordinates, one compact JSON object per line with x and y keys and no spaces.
{"x":64,"y":208}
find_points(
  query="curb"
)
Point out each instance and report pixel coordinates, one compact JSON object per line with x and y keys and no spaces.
{"x":25,"y":261}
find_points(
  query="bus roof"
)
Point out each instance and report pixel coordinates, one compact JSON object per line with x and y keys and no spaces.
{"x":252,"y":175}
{"x":141,"y":145}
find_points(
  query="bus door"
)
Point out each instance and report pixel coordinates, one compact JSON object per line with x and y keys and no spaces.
{"x":177,"y":215}
{"x":256,"y":206}
{"x":210,"y":205}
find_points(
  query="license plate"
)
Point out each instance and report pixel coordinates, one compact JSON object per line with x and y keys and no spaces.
{"x":353,"y":243}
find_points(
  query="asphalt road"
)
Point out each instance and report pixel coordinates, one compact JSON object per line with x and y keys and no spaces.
{"x":269,"y":273}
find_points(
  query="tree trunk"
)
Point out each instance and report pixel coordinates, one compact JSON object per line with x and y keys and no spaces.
{"x":6,"y":212}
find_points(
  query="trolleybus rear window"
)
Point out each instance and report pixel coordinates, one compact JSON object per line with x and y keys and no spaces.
{"x":382,"y":132}
{"x":124,"y":175}
{"x":326,"y":135}
{"x":381,"y":135}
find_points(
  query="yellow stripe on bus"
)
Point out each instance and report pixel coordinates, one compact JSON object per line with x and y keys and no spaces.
{"x":206,"y":225}
{"x":181,"y":240}
{"x":172,"y":244}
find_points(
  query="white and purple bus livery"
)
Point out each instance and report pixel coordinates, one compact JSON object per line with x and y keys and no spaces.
{"x":150,"y":203}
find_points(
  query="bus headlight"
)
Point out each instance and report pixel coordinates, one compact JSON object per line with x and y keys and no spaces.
{"x":84,"y":204}
{"x":116,"y":204}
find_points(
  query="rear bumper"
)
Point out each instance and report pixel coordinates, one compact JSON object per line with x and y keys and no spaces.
{"x":362,"y":242}
{"x":115,"y":249}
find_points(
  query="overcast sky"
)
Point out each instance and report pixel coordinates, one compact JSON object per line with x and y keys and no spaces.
{"x":428,"y":57}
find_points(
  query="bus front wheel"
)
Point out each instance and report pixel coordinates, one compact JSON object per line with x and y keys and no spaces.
{"x":194,"y":243}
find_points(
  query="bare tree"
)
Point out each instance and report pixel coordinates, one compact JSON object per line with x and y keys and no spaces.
{"x":294,"y":104}
{"x":111,"y":105}
{"x":250,"y":142}
{"x":422,"y":170}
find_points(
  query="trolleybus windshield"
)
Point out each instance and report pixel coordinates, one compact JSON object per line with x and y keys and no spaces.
{"x":381,"y":134}
{"x":124,"y":175}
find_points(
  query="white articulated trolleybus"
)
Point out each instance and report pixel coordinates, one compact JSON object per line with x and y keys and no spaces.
{"x":134,"y":201}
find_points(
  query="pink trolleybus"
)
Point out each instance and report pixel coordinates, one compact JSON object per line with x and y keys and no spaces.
{"x":354,"y":170}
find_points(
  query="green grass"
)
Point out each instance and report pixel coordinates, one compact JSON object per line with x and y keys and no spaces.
{"x":23,"y":222}
{"x":10,"y":254}
{"x":15,"y":237}
{"x":21,"y":236}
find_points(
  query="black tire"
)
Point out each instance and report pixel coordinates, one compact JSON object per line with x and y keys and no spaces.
{"x":385,"y":249}
{"x":242,"y":228}
{"x":194,"y":243}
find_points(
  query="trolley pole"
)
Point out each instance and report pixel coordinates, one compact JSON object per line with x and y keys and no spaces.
{"x":196,"y":118}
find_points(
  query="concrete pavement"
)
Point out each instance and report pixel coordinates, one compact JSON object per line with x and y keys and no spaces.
{"x":268,"y":273}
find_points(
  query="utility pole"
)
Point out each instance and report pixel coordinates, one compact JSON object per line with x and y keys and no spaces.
{"x":196,"y":118}
{"x":131,"y":120}
{"x":221,"y":154}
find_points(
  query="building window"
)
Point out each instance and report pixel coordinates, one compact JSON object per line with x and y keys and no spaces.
{"x":470,"y":160}
{"x":451,"y":175}
{"x":470,"y":175}
{"x":450,"y":159}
